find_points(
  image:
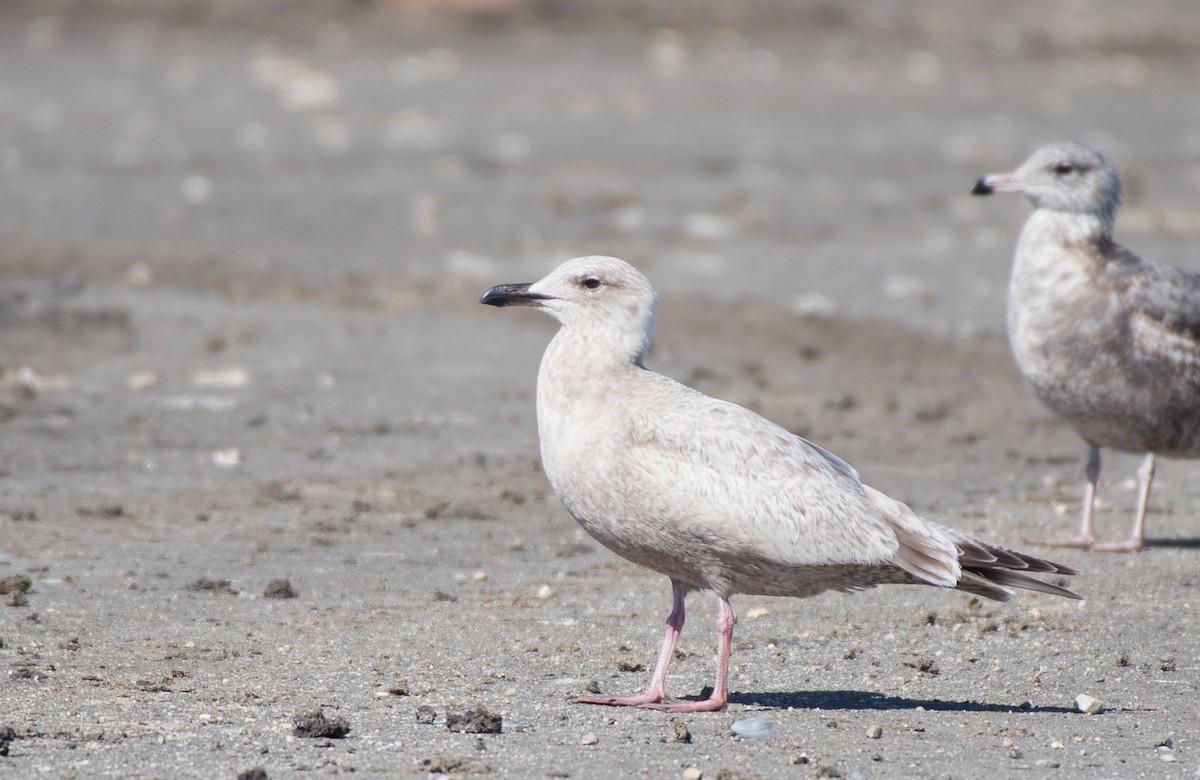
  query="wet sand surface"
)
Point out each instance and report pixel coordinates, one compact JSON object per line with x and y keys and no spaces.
{"x":240,"y":344}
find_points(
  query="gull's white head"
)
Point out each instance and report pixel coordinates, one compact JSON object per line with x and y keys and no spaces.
{"x":1062,"y":176}
{"x":606,"y":300}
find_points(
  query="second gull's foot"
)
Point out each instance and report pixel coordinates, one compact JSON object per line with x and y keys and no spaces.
{"x":1129,"y":545}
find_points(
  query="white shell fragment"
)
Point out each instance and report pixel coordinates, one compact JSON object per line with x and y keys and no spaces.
{"x":753,"y":728}
{"x":1088,"y":704}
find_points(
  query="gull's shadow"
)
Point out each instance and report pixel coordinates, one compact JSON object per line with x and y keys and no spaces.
{"x":865,"y":700}
{"x":1182,"y":544}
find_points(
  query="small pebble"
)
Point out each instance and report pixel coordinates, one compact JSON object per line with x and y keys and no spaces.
{"x":227,"y":458}
{"x":692,"y":773}
{"x":753,"y":728}
{"x":875,"y":732}
{"x":1088,"y":704}
{"x":589,"y":739}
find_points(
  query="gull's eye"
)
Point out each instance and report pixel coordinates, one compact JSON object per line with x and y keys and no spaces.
{"x":590,"y":282}
{"x":1064,"y":169}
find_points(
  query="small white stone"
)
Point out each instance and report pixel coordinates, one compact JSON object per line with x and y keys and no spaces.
{"x":708,"y":227}
{"x":905,"y":287}
{"x":1088,"y":704}
{"x":226,"y":378}
{"x":589,"y":739}
{"x":692,"y":773}
{"x":480,"y":576}
{"x":308,"y":90}
{"x":141,"y":380}
{"x":545,"y":592}
{"x":196,"y":189}
{"x":511,"y":148}
{"x":227,"y":458}
{"x":875,"y":732}
{"x":139,"y":275}
{"x":814,"y":304}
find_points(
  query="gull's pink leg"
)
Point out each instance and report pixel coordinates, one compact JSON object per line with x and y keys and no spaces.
{"x":1087,"y":532}
{"x":658,"y":681}
{"x":720,"y":694}
{"x":1138,"y":534}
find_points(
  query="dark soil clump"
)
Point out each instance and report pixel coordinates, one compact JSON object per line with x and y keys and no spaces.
{"x":476,"y":721}
{"x":315,"y":724}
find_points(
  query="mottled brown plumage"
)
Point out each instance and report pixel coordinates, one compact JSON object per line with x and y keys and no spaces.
{"x":709,"y":493}
{"x":1108,"y":341}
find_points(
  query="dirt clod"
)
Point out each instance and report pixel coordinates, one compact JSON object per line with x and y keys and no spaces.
{"x":476,"y":721}
{"x":8,"y":735}
{"x":315,"y":724}
{"x":280,"y":589}
{"x":453,"y":766}
{"x":257,"y":773}
{"x":14,"y":583}
{"x":206,"y":585}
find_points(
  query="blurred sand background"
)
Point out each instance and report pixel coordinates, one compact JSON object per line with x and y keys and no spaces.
{"x":242,"y":245}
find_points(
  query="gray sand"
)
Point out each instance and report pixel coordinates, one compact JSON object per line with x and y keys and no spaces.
{"x":183,"y":194}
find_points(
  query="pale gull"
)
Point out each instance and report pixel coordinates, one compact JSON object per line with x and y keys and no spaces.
{"x":711,"y":494}
{"x":1108,"y":341}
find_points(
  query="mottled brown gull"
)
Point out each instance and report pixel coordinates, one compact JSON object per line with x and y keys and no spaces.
{"x":1108,"y":341}
{"x":711,"y":494}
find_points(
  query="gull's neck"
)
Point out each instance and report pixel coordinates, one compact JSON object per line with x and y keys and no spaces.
{"x":1066,"y":228}
{"x":589,"y":349}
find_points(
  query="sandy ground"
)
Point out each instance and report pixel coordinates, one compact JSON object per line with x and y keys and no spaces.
{"x":240,"y":344}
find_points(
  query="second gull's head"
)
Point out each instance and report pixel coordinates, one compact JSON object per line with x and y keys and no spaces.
{"x":1062,"y":176}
